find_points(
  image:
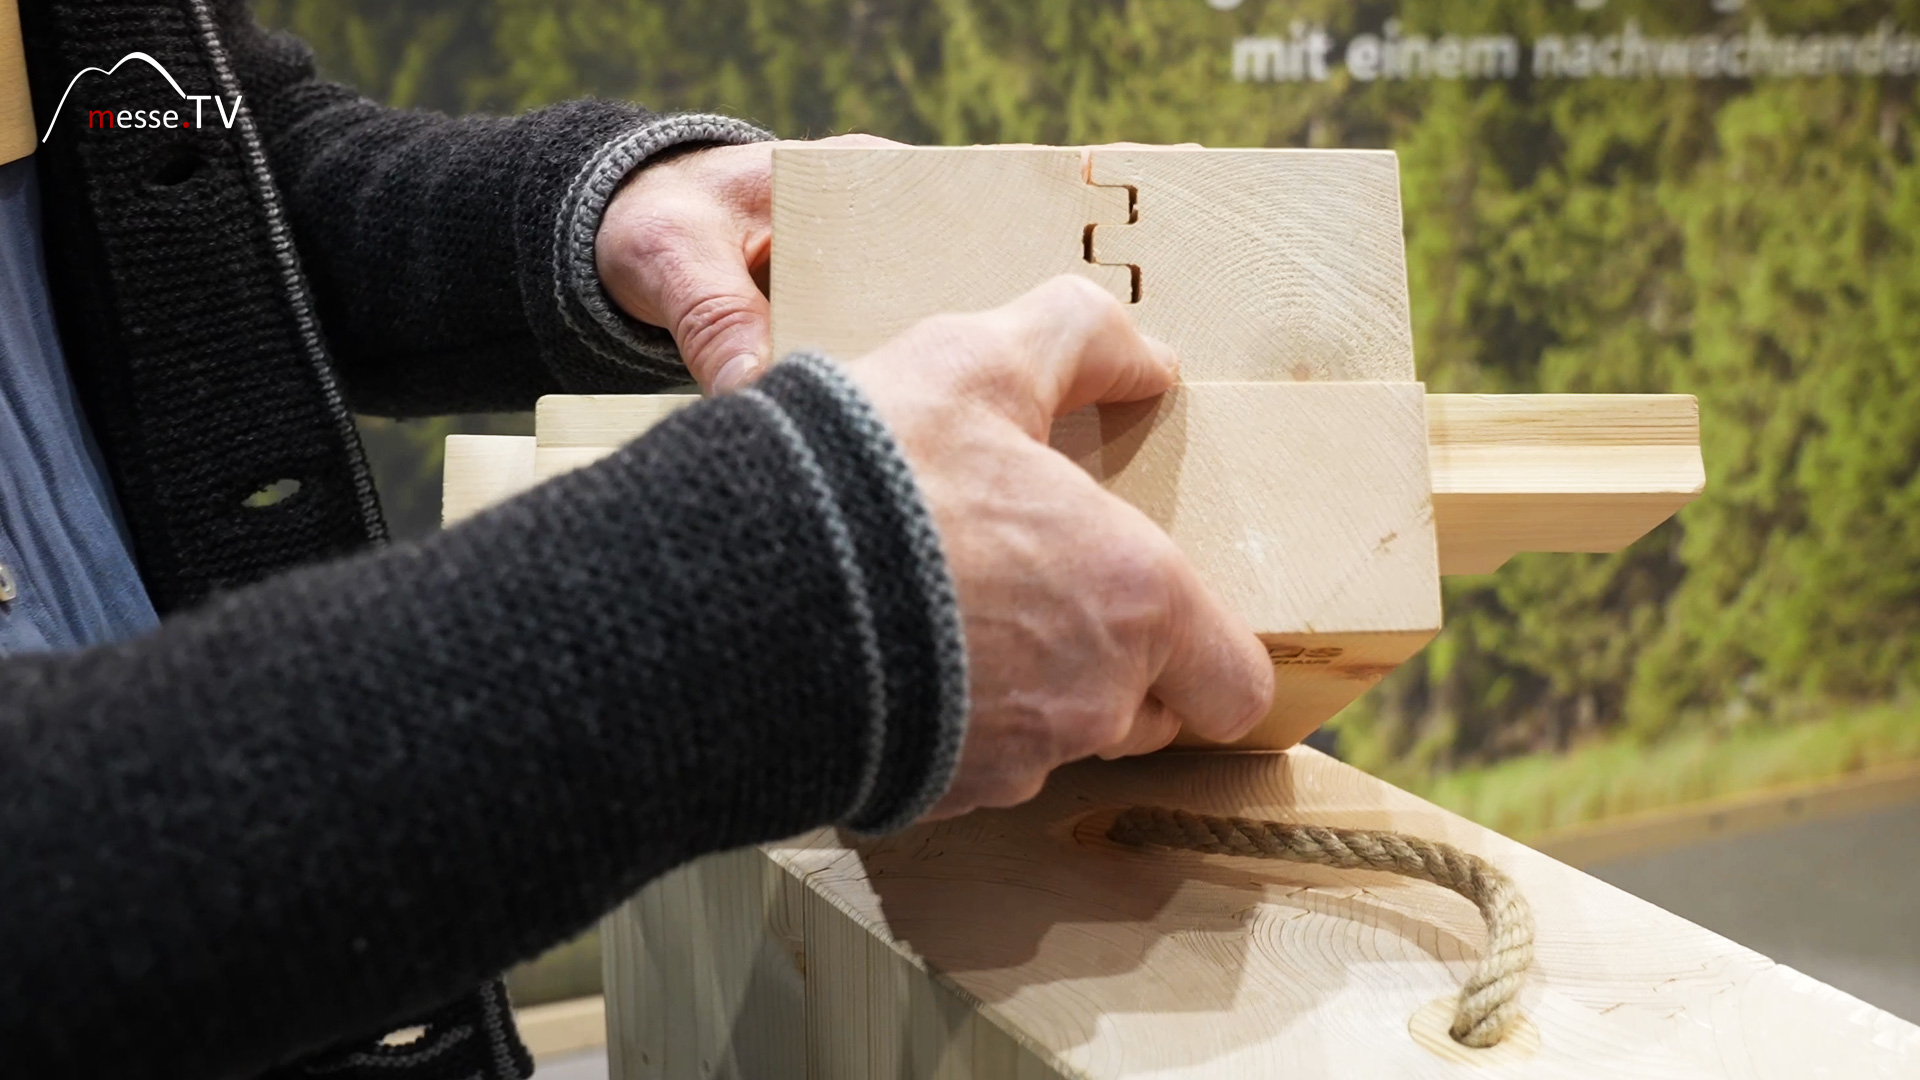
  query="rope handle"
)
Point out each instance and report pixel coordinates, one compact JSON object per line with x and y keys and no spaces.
{"x":1488,"y":1006}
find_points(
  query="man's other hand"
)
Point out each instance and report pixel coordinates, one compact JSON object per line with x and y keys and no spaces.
{"x":685,"y":244}
{"x":1088,"y":633}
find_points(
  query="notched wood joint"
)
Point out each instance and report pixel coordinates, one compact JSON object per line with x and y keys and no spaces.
{"x":1133,"y":218}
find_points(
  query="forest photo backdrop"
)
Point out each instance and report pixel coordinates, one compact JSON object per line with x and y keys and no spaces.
{"x":1589,"y":214}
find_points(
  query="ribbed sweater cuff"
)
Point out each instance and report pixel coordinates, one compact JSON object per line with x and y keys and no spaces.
{"x":916,"y":671}
{"x":583,"y":302}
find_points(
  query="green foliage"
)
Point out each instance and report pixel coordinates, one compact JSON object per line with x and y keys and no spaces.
{"x":1757,"y":244}
{"x":1527,"y":796}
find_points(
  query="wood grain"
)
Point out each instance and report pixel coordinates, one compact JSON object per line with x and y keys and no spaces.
{"x":1557,"y":472}
{"x":1304,"y":506}
{"x":1510,"y":473}
{"x":705,"y":973}
{"x":578,"y":430}
{"x":1266,"y":264}
{"x":871,"y":241}
{"x":18,"y":136}
{"x":1254,"y":264}
{"x":480,"y":470}
{"x":561,"y":1028}
{"x":1120,"y":963}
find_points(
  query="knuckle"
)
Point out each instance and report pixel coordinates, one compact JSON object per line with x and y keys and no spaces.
{"x":1146,"y":567}
{"x":709,"y":319}
{"x":857,"y":139}
{"x":948,"y":331}
{"x":1021,"y":788}
{"x":1139,"y":582}
{"x":660,"y":230}
{"x":983,"y":351}
{"x":1087,"y":306}
{"x":1167,"y":730}
{"x":1075,"y":290}
{"x":1256,"y":694}
{"x":1116,"y":728}
{"x":1097,"y":726}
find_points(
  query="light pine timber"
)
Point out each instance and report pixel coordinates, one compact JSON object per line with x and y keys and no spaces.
{"x":1511,"y":472}
{"x":1246,"y":284}
{"x":1025,"y":931}
{"x":1557,"y":472}
{"x":562,"y":1028}
{"x":573,"y":431}
{"x":1315,"y":509}
{"x":1305,"y":506}
{"x":18,"y":138}
{"x":874,"y":240}
{"x":480,"y":470}
{"x":1265,"y":264}
{"x":1022,"y":944}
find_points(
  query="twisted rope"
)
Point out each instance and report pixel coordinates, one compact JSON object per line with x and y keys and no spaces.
{"x":1487,"y":1008}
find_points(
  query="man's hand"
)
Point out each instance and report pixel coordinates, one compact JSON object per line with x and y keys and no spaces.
{"x":685,"y":245}
{"x":1087,"y":631}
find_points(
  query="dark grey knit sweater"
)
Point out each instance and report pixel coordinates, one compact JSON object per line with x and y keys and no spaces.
{"x":327,"y":802}
{"x":317,"y":806}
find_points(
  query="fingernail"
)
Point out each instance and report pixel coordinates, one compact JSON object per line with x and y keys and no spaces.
{"x":736,"y":373}
{"x":1163,"y":352}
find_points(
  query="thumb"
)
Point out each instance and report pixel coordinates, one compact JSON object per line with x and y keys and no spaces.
{"x":1218,"y":677}
{"x":717,"y":314}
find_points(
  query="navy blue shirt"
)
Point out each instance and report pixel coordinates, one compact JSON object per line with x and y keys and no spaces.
{"x":64,"y":552}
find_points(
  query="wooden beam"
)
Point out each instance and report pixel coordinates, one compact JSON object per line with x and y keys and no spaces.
{"x":874,"y":240}
{"x":18,"y":137}
{"x":1511,"y":473}
{"x":1305,"y":506}
{"x":580,"y":430}
{"x":1025,"y":936}
{"x":1564,"y":472}
{"x":1263,"y":265}
{"x":1020,"y":943}
{"x":1324,"y":513}
{"x":480,"y":470}
{"x":1244,"y":281}
{"x":562,"y":1028}
{"x":1557,"y":472}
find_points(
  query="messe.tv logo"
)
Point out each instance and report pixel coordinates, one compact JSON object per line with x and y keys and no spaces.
{"x":147,"y":118}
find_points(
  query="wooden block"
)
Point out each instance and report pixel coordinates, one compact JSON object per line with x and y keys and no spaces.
{"x":712,"y":980}
{"x":18,"y":137}
{"x":577,"y":430}
{"x":1244,"y":283}
{"x":480,"y":470}
{"x":601,"y":421}
{"x":874,"y":240}
{"x":1306,"y":506}
{"x":1557,"y":472}
{"x":1027,"y":928}
{"x":1316,"y":509}
{"x":1266,"y":264}
{"x":562,"y":1028}
{"x":731,"y":969}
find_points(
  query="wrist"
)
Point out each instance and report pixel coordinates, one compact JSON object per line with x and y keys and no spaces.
{"x":586,"y":306}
